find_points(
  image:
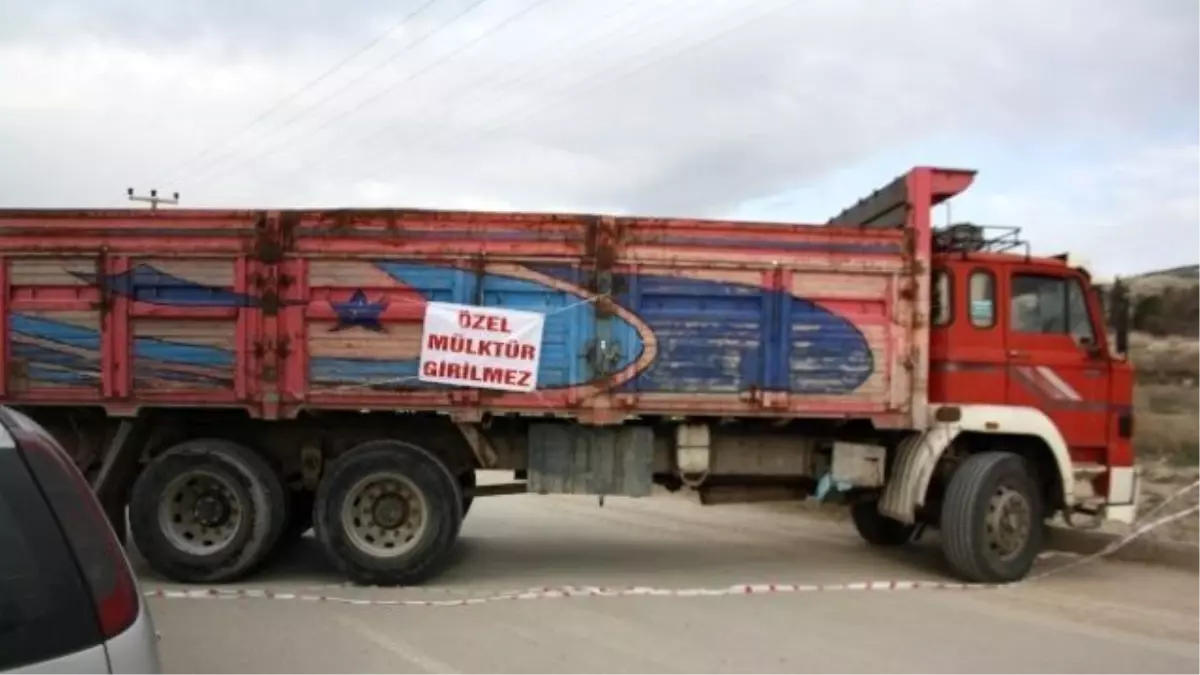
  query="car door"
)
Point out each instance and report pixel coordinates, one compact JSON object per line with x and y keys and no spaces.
{"x":1057,"y":362}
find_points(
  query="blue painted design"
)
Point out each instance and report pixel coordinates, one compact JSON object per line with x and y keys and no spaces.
{"x":712,"y":336}
{"x":360,"y":312}
{"x":725,"y":337}
{"x":570,"y":322}
{"x":379,"y":374}
{"x":181,"y":353}
{"x":709,"y":334}
{"x":40,"y":354}
{"x":436,"y":283}
{"x":40,"y":373}
{"x":144,"y":283}
{"x":70,"y":335}
{"x":828,"y":354}
{"x":154,"y":358}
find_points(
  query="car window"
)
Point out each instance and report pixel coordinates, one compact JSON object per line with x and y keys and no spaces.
{"x":45,"y":608}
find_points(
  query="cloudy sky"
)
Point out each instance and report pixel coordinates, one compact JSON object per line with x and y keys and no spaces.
{"x":1081,"y":115}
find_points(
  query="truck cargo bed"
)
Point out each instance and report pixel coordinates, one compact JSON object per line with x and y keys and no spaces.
{"x":276,"y":312}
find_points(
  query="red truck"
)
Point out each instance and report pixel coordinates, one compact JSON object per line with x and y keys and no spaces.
{"x":235,"y":378}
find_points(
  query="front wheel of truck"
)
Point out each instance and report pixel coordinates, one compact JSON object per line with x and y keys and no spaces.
{"x":388,"y":513}
{"x":992,"y":519}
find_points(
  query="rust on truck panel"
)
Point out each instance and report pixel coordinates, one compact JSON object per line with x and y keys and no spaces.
{"x":644,"y":315}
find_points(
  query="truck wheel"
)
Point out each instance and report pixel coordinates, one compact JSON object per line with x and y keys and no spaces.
{"x":388,"y":513}
{"x":992,"y":519}
{"x":207,"y":510}
{"x":877,"y":529}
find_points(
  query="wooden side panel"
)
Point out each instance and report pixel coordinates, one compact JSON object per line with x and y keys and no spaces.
{"x":841,"y":329}
{"x":183,"y":354}
{"x":281,"y":311}
{"x":41,"y":272}
{"x":54,"y":350}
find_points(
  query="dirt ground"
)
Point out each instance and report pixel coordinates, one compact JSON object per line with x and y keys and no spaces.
{"x":1160,"y":481}
{"x":1166,"y":438}
{"x":1103,"y":616}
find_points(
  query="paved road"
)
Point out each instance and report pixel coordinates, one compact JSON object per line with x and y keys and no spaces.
{"x":1102,"y":617}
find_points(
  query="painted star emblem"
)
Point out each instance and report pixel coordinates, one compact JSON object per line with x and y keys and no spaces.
{"x":360,"y":312}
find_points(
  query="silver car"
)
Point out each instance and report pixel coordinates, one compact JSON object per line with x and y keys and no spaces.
{"x":69,"y":602}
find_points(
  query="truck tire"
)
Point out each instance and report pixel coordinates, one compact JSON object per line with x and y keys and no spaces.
{"x":207,"y":511}
{"x":991,"y":522}
{"x":388,"y":513}
{"x":877,"y":529}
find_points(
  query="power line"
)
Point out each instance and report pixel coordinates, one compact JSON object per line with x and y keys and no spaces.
{"x":206,"y":171}
{"x":206,"y":177}
{"x":346,"y":149}
{"x":605,"y":75}
{"x":303,"y":88}
{"x":529,"y":76}
{"x":752,"y":19}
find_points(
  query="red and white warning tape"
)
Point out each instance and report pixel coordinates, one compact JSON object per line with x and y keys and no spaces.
{"x":570,"y":591}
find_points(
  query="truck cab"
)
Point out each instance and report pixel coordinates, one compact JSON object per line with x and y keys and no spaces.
{"x":1010,"y":329}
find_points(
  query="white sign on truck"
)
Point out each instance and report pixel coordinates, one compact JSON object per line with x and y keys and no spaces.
{"x":481,"y":347}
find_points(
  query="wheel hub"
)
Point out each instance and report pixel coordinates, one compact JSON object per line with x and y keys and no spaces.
{"x":1008,"y":522}
{"x":384,"y":514}
{"x":200,"y":512}
{"x":390,"y":511}
{"x":211,"y":510}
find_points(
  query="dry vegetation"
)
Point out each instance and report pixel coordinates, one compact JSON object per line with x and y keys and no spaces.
{"x":1167,"y":399}
{"x":1166,"y":356}
{"x":1167,"y":442}
{"x":1167,"y":362}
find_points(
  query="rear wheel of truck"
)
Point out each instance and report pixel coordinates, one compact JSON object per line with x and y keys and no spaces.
{"x":207,"y":510}
{"x":388,"y":513}
{"x":991,"y":521}
{"x":877,"y":529}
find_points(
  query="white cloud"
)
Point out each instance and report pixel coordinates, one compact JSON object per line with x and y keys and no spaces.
{"x":1131,"y":214}
{"x":659,"y":106}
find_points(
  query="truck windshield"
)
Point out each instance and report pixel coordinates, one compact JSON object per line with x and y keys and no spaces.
{"x":1047,"y":304}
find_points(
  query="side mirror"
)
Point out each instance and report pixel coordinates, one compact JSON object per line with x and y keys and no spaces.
{"x":1120,"y":315}
{"x":1090,"y":345}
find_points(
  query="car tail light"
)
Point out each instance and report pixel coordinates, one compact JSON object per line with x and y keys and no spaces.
{"x":91,"y":537}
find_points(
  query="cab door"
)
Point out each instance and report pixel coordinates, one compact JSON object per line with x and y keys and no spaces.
{"x":968,"y":358}
{"x":1057,"y":360}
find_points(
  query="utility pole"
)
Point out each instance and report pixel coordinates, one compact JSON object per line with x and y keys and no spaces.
{"x":154,"y":199}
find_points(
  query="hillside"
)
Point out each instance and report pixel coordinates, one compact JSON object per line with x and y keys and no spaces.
{"x":1165,"y":352}
{"x":1166,"y":355}
{"x":1167,"y":303}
